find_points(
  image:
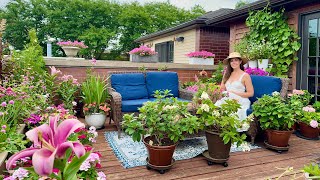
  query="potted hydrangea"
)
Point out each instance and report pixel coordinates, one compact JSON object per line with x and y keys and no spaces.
{"x":71,"y":48}
{"x":222,"y":124}
{"x":308,"y":123}
{"x":165,"y":121}
{"x":201,"y":57}
{"x":277,"y":118}
{"x":143,"y":54}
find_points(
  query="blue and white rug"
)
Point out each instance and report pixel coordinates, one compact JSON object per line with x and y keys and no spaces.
{"x":132,"y":154}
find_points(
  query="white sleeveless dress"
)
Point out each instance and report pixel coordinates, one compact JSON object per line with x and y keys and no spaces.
{"x":244,"y":102}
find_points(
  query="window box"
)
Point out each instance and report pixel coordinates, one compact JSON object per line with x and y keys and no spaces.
{"x":144,"y":59}
{"x":201,"y":61}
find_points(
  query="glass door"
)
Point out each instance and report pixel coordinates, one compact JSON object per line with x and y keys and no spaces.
{"x":309,"y":72}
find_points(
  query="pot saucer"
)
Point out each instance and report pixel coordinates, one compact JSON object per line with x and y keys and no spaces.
{"x":279,"y":149}
{"x":298,"y":134}
{"x":161,"y":169}
{"x":211,"y":160}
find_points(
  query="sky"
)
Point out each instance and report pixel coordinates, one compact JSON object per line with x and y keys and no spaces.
{"x":208,"y":5}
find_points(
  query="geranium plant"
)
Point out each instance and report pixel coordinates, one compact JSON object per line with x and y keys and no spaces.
{"x":224,"y":119}
{"x":164,"y":118}
{"x":201,"y":54}
{"x":78,"y":44}
{"x":274,"y":112}
{"x":85,"y":136}
{"x":143,"y":51}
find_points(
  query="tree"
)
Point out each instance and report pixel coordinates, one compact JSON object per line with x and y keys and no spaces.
{"x":241,"y":3}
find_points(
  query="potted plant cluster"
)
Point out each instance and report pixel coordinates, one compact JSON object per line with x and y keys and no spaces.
{"x":95,"y":95}
{"x":143,"y":54}
{"x":71,"y":48}
{"x":201,"y":57}
{"x":165,"y":121}
{"x":277,"y":118}
{"x":222,"y":124}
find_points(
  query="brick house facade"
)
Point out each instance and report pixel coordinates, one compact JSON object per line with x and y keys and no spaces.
{"x":215,"y":40}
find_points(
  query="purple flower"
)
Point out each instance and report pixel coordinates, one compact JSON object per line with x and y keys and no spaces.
{"x":4,"y":104}
{"x":101,"y":176}
{"x":3,"y":131}
{"x":314,"y":124}
{"x":93,"y":61}
{"x":33,"y":119}
{"x":256,"y":71}
{"x":11,"y":102}
{"x":3,"y":126}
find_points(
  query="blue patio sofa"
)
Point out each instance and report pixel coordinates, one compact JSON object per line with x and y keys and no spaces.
{"x":130,"y":89}
{"x":265,"y":85}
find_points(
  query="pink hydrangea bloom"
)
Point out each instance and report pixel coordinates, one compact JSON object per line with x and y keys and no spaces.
{"x":314,"y":123}
{"x":193,"y":88}
{"x":300,"y":92}
{"x":308,"y":109}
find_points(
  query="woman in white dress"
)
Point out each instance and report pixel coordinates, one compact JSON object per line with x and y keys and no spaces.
{"x":237,"y":83}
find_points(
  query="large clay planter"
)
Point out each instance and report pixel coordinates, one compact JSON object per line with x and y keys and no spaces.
{"x":159,"y":155}
{"x":278,"y":138}
{"x":216,"y":148}
{"x":96,"y":119}
{"x":70,"y":51}
{"x":308,"y":131}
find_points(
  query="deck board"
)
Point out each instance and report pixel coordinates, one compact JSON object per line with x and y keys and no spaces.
{"x":256,"y":164}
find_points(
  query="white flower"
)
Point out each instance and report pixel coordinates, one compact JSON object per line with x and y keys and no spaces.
{"x":74,"y":103}
{"x":215,"y":113}
{"x":250,"y":117}
{"x":92,"y":128}
{"x":205,"y":107}
{"x":245,"y":126}
{"x":245,"y":146}
{"x":168,"y":107}
{"x":275,"y":93}
{"x":204,"y":95}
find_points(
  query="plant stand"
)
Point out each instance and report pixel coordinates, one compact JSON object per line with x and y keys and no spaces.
{"x":276,"y":148}
{"x":211,"y":160}
{"x":161,"y":169}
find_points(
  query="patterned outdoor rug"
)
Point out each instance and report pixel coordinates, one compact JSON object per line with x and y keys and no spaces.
{"x":132,"y":154}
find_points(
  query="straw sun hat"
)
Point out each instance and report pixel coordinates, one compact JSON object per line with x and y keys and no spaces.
{"x":235,"y":55}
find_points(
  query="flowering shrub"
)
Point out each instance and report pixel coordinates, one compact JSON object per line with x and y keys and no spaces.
{"x":223,"y":119}
{"x":163,"y":119}
{"x":274,"y":112}
{"x":72,"y":43}
{"x":310,"y":116}
{"x":201,"y":54}
{"x":143,"y":51}
{"x":256,"y":71}
{"x":88,"y":168}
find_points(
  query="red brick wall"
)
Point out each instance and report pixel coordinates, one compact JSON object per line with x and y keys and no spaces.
{"x":80,"y":73}
{"x":237,"y":30}
{"x":215,"y":40}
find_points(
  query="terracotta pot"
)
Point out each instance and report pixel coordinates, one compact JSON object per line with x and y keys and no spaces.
{"x":159,"y":155}
{"x":216,"y":148}
{"x":278,"y":138}
{"x":308,"y":131}
{"x":295,"y":126}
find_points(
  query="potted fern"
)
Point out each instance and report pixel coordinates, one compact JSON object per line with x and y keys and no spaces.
{"x":95,"y":96}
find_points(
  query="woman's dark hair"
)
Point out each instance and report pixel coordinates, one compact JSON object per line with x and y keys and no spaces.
{"x":229,"y":70}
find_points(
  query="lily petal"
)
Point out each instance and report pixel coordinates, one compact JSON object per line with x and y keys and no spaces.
{"x":76,"y":147}
{"x":34,"y":136}
{"x":24,"y":153}
{"x":65,"y":129}
{"x":42,"y":161}
{"x":53,"y":122}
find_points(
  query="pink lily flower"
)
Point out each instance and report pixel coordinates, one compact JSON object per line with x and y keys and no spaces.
{"x":54,"y":71}
{"x":49,"y":142}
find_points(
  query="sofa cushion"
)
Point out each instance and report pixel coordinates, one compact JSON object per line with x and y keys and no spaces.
{"x":130,"y":85}
{"x":132,"y":105}
{"x":249,"y":111}
{"x":162,"y":81}
{"x":264,"y":85}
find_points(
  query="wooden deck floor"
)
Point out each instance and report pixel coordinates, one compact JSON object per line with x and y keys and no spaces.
{"x":256,"y":164}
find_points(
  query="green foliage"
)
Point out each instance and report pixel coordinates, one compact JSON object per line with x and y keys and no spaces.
{"x":313,"y":170}
{"x":241,"y":4}
{"x":217,"y":74}
{"x":298,"y":100}
{"x":273,"y":112}
{"x":273,"y":28}
{"x":66,"y":90}
{"x":97,"y":22}
{"x":316,"y":105}
{"x":94,"y":91}
{"x":224,"y":119}
{"x":11,"y":141}
{"x":163,"y":118}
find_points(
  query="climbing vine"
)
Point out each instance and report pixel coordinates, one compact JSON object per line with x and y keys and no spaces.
{"x":272,"y":27}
